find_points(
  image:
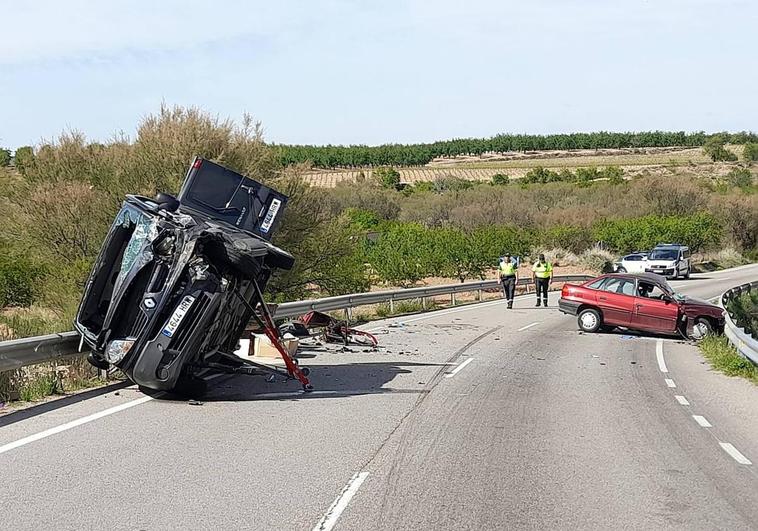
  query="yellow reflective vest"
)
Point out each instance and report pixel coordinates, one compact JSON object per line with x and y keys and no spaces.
{"x":542,"y":270}
{"x":507,"y":269}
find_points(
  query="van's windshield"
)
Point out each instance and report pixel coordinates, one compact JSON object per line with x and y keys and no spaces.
{"x":664,"y":254}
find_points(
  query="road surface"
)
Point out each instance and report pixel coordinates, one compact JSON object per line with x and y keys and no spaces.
{"x":471,"y":418}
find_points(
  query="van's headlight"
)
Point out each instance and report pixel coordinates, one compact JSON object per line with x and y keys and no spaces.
{"x":117,"y":349}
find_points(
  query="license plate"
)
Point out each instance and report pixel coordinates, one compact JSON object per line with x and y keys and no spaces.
{"x":179,"y":314}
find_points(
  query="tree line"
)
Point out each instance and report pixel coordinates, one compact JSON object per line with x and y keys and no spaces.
{"x":338,"y":156}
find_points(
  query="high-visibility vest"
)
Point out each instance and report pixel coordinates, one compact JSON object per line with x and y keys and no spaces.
{"x":542,"y":270}
{"x":507,"y":269}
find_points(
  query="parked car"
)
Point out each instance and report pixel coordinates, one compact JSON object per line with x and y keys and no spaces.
{"x":632,"y":263}
{"x":178,"y":280}
{"x":671,"y":260}
{"x":644,"y":302}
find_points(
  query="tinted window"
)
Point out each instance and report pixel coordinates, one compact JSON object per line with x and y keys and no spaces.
{"x":687,"y":253}
{"x":633,"y":258}
{"x":623,"y":286}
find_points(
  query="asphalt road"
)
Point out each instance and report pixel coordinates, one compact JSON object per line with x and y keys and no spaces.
{"x":470,"y":418}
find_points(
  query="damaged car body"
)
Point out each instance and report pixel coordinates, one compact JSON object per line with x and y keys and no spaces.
{"x":178,"y":280}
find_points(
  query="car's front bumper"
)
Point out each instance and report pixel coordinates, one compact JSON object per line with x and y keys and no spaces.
{"x":568,"y":307}
{"x":667,"y":271}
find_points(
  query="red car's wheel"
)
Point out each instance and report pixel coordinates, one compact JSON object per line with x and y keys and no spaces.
{"x":589,"y":320}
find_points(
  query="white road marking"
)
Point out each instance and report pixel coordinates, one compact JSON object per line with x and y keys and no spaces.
{"x":329,"y":520}
{"x":681,"y":400}
{"x":702,"y":421}
{"x":459,"y":367}
{"x":736,"y":454}
{"x":74,"y":423}
{"x":670,"y":383}
{"x":527,"y":326}
{"x":659,"y":355}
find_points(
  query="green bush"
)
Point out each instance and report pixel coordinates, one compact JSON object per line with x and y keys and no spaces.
{"x":745,"y":310}
{"x":362,"y":218}
{"x":19,"y":281}
{"x":23,"y":158}
{"x":614,"y":174}
{"x":750,"y":153}
{"x":626,"y":235}
{"x":5,"y":157}
{"x":726,"y":359}
{"x":387,"y":177}
{"x":575,"y":239}
{"x":739,"y":178}
{"x":500,"y":179}
{"x":714,"y":148}
{"x":451,"y":183}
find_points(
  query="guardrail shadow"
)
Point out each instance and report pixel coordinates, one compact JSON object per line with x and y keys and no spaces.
{"x":329,"y":381}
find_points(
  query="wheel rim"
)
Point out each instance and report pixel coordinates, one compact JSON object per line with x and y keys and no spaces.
{"x":700,"y":330}
{"x":589,"y":320}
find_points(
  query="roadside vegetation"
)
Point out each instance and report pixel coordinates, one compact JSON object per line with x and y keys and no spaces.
{"x":58,"y":199}
{"x":723,"y":357}
{"x":744,"y":310}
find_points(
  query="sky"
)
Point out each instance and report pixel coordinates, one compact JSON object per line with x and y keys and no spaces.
{"x":373,"y":72}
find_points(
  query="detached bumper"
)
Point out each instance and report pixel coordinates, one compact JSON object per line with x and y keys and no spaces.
{"x":568,"y":307}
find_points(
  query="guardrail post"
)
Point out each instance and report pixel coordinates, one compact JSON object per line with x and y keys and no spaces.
{"x":452,"y":298}
{"x":423,"y":303}
{"x":392,"y":305}
{"x":479,"y":295}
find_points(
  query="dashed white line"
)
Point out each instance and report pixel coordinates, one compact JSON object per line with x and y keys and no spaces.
{"x":74,"y":423}
{"x":329,"y":520}
{"x":527,"y":326}
{"x":681,"y":400}
{"x":736,"y":454}
{"x":459,"y":367}
{"x":670,"y":383}
{"x":702,"y":421}
{"x":659,"y":355}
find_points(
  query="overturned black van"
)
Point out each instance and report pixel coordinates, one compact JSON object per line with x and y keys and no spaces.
{"x":178,"y":279}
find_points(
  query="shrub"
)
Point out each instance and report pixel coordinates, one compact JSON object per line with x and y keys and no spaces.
{"x":451,"y":183}
{"x":387,"y":177}
{"x":362,"y":218}
{"x":575,"y":239}
{"x":739,"y":178}
{"x":19,"y":281}
{"x":597,"y":260}
{"x":500,"y":179}
{"x":714,"y":148}
{"x":23,"y":158}
{"x":626,"y":235}
{"x":614,"y":174}
{"x":557,"y":257}
{"x":5,"y":157}
{"x":750,"y":153}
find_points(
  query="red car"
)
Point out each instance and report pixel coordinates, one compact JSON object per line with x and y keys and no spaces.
{"x":641,"y":301}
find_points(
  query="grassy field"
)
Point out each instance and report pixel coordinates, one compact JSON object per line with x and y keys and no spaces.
{"x":655,"y":161}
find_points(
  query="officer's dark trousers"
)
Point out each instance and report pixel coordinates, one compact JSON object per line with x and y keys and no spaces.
{"x":509,"y":287}
{"x":542,"y":284}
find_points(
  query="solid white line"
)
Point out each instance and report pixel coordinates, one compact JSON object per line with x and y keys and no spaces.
{"x":527,"y":326}
{"x":736,"y":454}
{"x":659,"y":355}
{"x":670,"y":382}
{"x":681,"y":400}
{"x":329,"y":520}
{"x":702,"y":421}
{"x":459,"y":367}
{"x":74,"y":424}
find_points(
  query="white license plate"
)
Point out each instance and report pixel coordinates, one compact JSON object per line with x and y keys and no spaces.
{"x":179,"y":314}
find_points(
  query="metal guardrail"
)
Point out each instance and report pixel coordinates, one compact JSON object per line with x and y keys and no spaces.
{"x":745,"y":343}
{"x":18,"y":353}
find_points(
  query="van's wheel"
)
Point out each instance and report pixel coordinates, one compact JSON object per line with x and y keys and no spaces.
{"x":589,"y":320}
{"x":701,"y":329}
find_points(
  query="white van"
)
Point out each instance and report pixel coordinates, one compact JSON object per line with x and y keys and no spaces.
{"x":671,"y":260}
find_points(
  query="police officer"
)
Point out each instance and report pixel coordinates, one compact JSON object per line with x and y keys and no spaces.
{"x":508,"y":278}
{"x":543,"y":275}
